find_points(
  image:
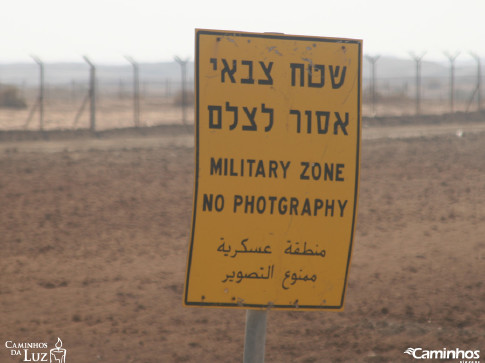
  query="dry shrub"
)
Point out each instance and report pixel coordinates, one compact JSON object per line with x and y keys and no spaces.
{"x":395,"y":97}
{"x":10,"y":98}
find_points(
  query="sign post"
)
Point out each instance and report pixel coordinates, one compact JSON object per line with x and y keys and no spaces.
{"x":255,"y":336}
{"x":277,"y":128}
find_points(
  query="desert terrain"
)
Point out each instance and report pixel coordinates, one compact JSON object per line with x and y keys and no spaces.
{"x":94,"y":232}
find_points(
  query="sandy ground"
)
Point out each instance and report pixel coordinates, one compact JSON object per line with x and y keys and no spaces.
{"x":110,"y":113}
{"x":94,"y":243}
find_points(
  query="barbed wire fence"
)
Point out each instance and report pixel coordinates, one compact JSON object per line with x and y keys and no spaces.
{"x":94,"y":97}
{"x":424,"y":95}
{"x":88,"y":96}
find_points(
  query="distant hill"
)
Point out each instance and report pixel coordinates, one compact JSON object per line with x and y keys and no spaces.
{"x":390,"y":67}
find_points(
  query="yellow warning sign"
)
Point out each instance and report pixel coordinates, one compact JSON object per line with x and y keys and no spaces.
{"x":277,"y":122}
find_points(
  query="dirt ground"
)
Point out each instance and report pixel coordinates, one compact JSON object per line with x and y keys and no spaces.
{"x":94,"y":244}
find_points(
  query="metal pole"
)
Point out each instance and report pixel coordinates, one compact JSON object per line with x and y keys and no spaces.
{"x":92,"y":93}
{"x":373,"y":61}
{"x":479,"y":81}
{"x":418,"y":86}
{"x":451,"y":58}
{"x":41,"y":92}
{"x":418,"y":59}
{"x":136,"y":91}
{"x":255,"y":336}
{"x":183,"y":66}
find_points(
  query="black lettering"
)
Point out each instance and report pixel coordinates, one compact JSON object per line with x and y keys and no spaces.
{"x":338,"y":172}
{"x":265,"y":109}
{"x":294,"y":67}
{"x":261,"y":205}
{"x":318,"y":206}
{"x":249,"y":204}
{"x":231,"y":168}
{"x":216,"y":166}
{"x":334,"y":73}
{"x":238,"y":200}
{"x":316,"y":171}
{"x":251,"y":117}
{"x":233,"y":109}
{"x":273,"y":166}
{"x":260,"y":170}
{"x":298,"y":119}
{"x":219,"y":203}
{"x":250,"y":79}
{"x":285,"y":167}
{"x":343,"y":125}
{"x":329,"y":207}
{"x":229,"y":71}
{"x":323,"y":118}
{"x":342,"y":207}
{"x":272,"y":199}
{"x":251,"y":162}
{"x":208,"y":202}
{"x":306,"y":210}
{"x":309,"y":121}
{"x":282,"y":206}
{"x":319,"y":121}
{"x":213,"y":125}
{"x":328,"y":173}
{"x":294,"y":206}
{"x":321,"y":82}
{"x":267,"y":73}
{"x":303,"y":175}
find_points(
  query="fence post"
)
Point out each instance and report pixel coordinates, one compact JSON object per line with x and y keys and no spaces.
{"x":373,"y":60}
{"x":451,"y":58}
{"x":183,"y":66}
{"x":418,"y":59}
{"x":136,"y":91}
{"x":479,"y":81}
{"x":41,"y":92}
{"x":92,"y":93}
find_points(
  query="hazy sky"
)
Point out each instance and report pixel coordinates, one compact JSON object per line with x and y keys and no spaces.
{"x":156,"y":30}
